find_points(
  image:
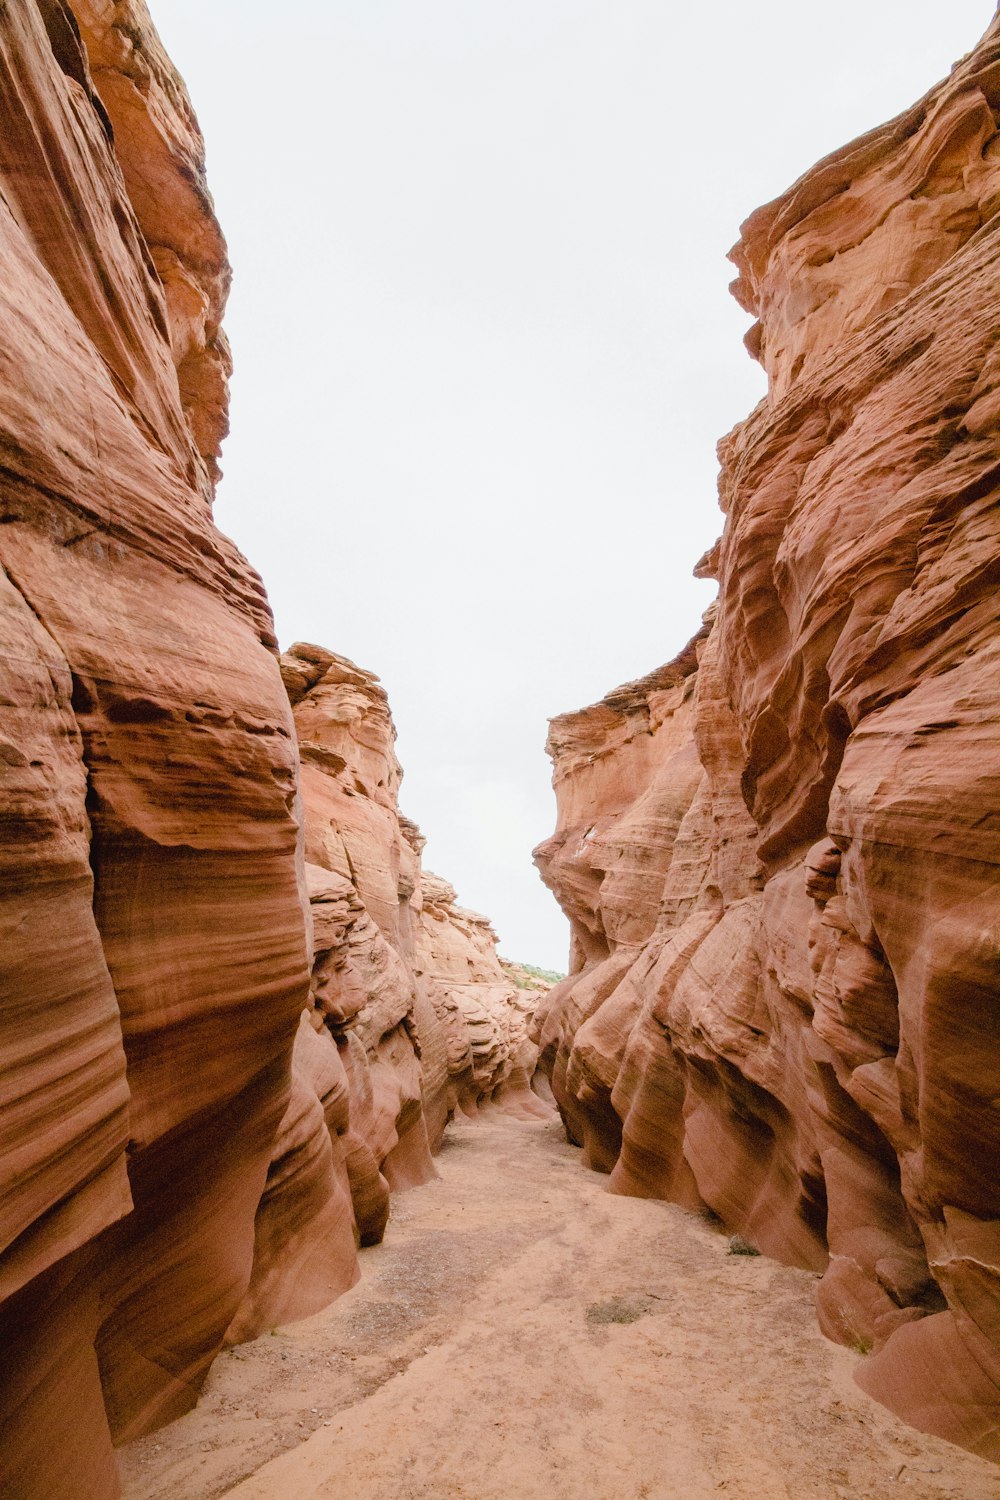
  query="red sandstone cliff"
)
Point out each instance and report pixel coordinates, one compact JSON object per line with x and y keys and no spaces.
{"x":404,"y":974}
{"x":410,"y":1017}
{"x":154,"y":948}
{"x":486,"y":1014}
{"x":204,"y":1102}
{"x":779,"y":854}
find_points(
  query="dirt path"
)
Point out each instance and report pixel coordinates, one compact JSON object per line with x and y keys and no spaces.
{"x":524,"y":1334}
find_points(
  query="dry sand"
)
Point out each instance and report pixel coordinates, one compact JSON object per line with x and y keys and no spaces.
{"x":524,"y":1334}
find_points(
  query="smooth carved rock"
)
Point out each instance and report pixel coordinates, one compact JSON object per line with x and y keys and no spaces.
{"x":305,"y":1238}
{"x":154,"y":955}
{"x":784,"y":997}
{"x":204,"y":1109}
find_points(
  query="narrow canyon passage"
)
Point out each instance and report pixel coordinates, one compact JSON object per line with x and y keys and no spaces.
{"x":522,"y":1332}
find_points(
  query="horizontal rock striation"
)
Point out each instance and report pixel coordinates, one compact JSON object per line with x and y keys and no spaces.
{"x":485,"y":1012}
{"x":154,"y":941}
{"x":217,"y":1054}
{"x":779,"y":854}
{"x":411,"y":1019}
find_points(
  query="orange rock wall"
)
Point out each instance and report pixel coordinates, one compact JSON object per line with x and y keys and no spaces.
{"x":779,"y":855}
{"x":363,"y":865}
{"x":154,"y":943}
{"x":411,"y":1019}
{"x":485,"y":1015}
{"x":218,"y":1053}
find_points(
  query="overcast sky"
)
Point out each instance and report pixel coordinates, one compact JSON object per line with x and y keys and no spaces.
{"x":484,"y":346}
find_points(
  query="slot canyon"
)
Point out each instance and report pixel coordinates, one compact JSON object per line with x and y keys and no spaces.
{"x":307,"y":1192}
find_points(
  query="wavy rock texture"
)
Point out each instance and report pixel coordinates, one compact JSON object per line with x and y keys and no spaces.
{"x":485,"y":1013}
{"x":779,"y":855}
{"x":218,"y":1055}
{"x":154,"y":942}
{"x":411,"y":1017}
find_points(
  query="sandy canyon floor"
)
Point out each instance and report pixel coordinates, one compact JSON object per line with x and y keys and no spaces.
{"x":523,"y":1333}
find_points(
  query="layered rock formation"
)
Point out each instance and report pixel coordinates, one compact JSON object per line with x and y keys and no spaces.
{"x":485,"y":1012}
{"x":154,"y":943}
{"x":410,"y":1017}
{"x":779,"y":854}
{"x":363,"y":863}
{"x":204,"y":1105}
{"x":408,"y":983}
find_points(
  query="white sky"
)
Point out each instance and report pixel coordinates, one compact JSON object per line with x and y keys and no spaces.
{"x":484,"y":347}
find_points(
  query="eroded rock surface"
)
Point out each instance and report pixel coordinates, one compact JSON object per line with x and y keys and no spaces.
{"x":154,"y":943}
{"x":217,"y":1054}
{"x":411,"y":1019}
{"x":779,"y":855}
{"x":485,"y":1012}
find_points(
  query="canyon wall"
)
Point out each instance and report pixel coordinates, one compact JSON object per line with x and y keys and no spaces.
{"x":218,"y":1055}
{"x":414,"y":976}
{"x":779,"y":853}
{"x":485,"y":1003}
{"x":154,"y":942}
{"x":410,"y":1019}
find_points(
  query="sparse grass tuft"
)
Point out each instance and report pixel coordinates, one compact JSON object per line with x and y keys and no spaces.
{"x":620,"y":1309}
{"x":740,"y":1246}
{"x":860,"y":1343}
{"x":532,"y":971}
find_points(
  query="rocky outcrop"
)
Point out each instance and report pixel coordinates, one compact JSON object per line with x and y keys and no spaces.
{"x":362,"y":855}
{"x":399,"y":967}
{"x":484,"y":1012}
{"x":159,"y":148}
{"x":779,"y":854}
{"x":154,"y":943}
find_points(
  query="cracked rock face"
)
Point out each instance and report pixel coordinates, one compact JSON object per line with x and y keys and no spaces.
{"x":779,"y":855}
